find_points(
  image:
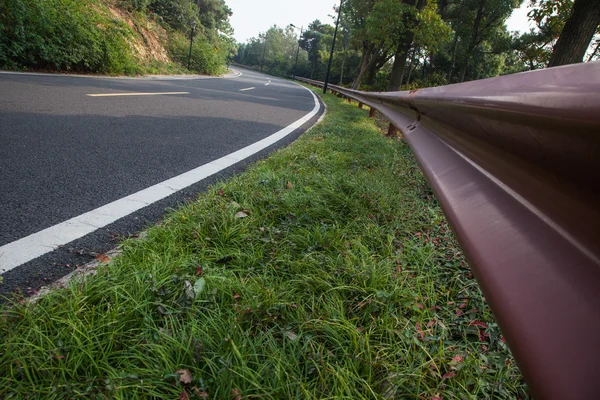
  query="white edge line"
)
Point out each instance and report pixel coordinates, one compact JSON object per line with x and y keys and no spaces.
{"x":36,"y":245}
{"x":135,"y":94}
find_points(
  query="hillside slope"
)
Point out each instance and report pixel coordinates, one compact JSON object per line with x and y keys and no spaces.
{"x":103,"y":36}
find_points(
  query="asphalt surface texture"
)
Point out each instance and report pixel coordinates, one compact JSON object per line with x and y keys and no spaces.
{"x":64,"y":153}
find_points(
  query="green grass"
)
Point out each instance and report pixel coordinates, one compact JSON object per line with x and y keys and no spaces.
{"x":342,"y":282}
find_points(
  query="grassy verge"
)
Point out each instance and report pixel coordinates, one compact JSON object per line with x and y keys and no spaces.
{"x":325,"y":271}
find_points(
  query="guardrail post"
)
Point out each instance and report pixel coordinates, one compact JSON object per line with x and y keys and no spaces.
{"x":360,"y":105}
{"x":372,"y":113}
{"x":392,"y":130}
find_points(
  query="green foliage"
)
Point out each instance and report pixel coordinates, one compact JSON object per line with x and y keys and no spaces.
{"x":279,"y":48}
{"x":64,"y":35}
{"x":83,"y":35}
{"x":207,"y":58}
{"x":176,"y":14}
{"x":137,"y":5}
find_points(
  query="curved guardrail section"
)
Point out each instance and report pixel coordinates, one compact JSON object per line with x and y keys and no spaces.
{"x":515,"y":164}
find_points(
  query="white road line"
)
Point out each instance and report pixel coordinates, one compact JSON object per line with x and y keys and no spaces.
{"x":268,"y":83}
{"x":250,"y":88}
{"x":135,"y":94}
{"x":33,"y":246}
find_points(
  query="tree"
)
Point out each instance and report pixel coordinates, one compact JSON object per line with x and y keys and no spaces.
{"x":577,"y":33}
{"x":313,"y":42}
{"x":480,"y":21}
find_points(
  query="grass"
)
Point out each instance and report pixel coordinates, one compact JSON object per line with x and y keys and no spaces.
{"x":324,"y":271}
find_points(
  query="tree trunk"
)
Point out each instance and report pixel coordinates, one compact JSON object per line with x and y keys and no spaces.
{"x":364,"y":67}
{"x":474,"y":40}
{"x":411,"y":66}
{"x":402,"y":53}
{"x":463,"y":70}
{"x":399,"y":67}
{"x":454,"y":46}
{"x":371,"y":74}
{"x":577,"y":34}
{"x":595,"y":52}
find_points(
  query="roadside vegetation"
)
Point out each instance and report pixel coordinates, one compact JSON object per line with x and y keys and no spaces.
{"x":114,"y":37}
{"x":324,"y":271}
{"x":409,"y":44}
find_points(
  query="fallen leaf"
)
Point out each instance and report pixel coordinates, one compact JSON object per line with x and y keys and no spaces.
{"x":457,"y":359}
{"x":190,"y":293}
{"x":241,"y":214}
{"x":478,"y":323}
{"x":184,"y":396}
{"x":291,"y":335}
{"x":459,"y":313}
{"x":199,"y":286}
{"x":103,"y":258}
{"x":199,"y":393}
{"x":236,"y":296}
{"x":236,"y":394}
{"x":185,"y":376}
{"x":421,"y":333}
{"x":449,"y":375}
{"x":198,"y":271}
{"x":289,"y":185}
{"x":221,"y":193}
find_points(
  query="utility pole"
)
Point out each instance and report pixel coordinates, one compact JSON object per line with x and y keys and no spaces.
{"x":297,"y":51}
{"x":337,"y":24}
{"x":264,"y":52}
{"x":191,"y":43}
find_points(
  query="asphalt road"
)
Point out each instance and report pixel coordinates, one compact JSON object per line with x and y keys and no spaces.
{"x":69,"y":145}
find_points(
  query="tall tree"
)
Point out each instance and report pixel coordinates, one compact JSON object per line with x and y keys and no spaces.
{"x":481,"y":21}
{"x":577,"y":33}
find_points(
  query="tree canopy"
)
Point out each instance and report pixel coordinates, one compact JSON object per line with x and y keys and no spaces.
{"x":404,"y":44}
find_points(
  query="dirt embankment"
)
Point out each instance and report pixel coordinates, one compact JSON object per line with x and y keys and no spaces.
{"x":149,"y":42}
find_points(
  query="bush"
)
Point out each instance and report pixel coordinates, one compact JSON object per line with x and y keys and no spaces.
{"x":176,"y":13}
{"x":137,"y":5}
{"x":64,"y":35}
{"x":207,"y":58}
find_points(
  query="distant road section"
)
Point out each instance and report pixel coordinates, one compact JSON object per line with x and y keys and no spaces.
{"x":84,"y":161}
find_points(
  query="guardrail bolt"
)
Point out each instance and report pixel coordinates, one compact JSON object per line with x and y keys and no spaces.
{"x":392,"y":130}
{"x":372,"y":113}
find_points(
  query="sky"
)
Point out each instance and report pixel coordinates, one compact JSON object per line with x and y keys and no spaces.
{"x":250,"y":17}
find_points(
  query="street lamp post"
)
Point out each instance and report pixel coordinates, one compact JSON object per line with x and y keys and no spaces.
{"x":191,"y":43}
{"x":337,"y":24}
{"x":297,"y":51}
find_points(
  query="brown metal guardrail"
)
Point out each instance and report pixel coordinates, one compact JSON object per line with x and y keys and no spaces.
{"x":515,"y":163}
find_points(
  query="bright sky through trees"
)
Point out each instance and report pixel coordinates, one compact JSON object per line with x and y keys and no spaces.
{"x":251,"y":17}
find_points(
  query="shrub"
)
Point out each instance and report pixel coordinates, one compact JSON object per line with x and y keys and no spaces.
{"x":207,"y":58}
{"x":64,"y":35}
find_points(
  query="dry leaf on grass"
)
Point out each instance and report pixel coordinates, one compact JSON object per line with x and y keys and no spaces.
{"x":185,"y":376}
{"x":236,"y":394}
{"x":103,"y":258}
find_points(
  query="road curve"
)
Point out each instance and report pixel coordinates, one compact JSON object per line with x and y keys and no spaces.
{"x":76,"y":149}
